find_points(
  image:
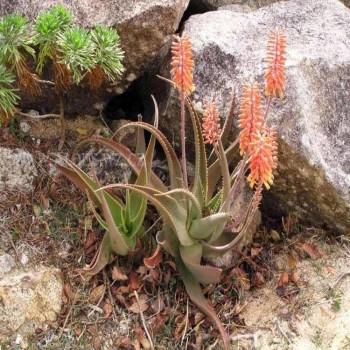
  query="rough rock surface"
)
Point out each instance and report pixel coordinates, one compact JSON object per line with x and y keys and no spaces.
{"x":17,"y":169}
{"x":217,"y":4}
{"x":143,"y":26}
{"x":313,"y":120}
{"x":29,"y":299}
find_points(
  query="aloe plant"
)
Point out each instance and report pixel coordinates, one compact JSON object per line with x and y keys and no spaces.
{"x":198,"y":220}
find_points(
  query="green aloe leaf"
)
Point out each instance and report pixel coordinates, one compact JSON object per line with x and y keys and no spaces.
{"x":214,"y":172}
{"x":175,"y":171}
{"x":200,"y":183}
{"x":120,"y":243}
{"x":168,"y":207}
{"x":195,"y":293}
{"x":191,"y":257}
{"x":208,"y":226}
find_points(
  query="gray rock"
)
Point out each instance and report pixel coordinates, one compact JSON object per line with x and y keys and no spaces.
{"x":218,"y":4}
{"x":7,"y":263}
{"x":313,"y":120}
{"x":144,"y":26}
{"x":29,"y":300}
{"x":17,"y":169}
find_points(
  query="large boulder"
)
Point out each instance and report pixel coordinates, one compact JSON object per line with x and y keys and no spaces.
{"x":143,"y":26}
{"x":218,"y":4}
{"x":313,"y":121}
{"x":29,"y":300}
{"x":17,"y":170}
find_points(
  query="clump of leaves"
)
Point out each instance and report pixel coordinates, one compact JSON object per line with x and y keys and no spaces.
{"x":8,"y":95}
{"x":15,"y":43}
{"x":198,"y":221}
{"x":74,"y":53}
{"x":107,"y":57}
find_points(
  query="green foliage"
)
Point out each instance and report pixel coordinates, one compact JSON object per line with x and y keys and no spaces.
{"x":77,"y":51}
{"x":122,"y":219}
{"x":8,"y":94}
{"x":108,"y":53}
{"x":47,"y":27}
{"x":15,"y":40}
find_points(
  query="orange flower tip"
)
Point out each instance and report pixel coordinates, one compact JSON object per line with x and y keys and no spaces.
{"x":275,"y":59}
{"x":182,"y":65}
{"x":211,"y":123}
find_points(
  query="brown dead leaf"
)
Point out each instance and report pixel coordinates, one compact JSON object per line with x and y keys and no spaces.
{"x":284,"y":279}
{"x":275,"y":235}
{"x":295,"y":278}
{"x":107,"y":309}
{"x":240,"y":278}
{"x":118,"y":275}
{"x":292,"y":261}
{"x":96,"y":294}
{"x":155,"y":259}
{"x":330,"y":270}
{"x":257,"y":279}
{"x":68,"y":293}
{"x":312,"y":251}
{"x":198,"y":317}
{"x":90,"y":239}
{"x":255,"y":252}
{"x":157,"y":305}
{"x":93,"y":330}
{"x":97,"y":343}
{"x":135,"y":307}
{"x":134,"y":281}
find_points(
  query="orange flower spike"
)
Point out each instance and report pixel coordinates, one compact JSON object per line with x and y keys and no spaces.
{"x":251,"y":118}
{"x":211,"y":123}
{"x":182,"y":65}
{"x":263,"y":158}
{"x":276,"y":59}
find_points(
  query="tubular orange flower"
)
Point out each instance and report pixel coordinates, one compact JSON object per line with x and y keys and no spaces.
{"x":276,"y":59}
{"x":251,"y":118}
{"x":263,"y":158}
{"x":211,"y":123}
{"x":182,"y":64}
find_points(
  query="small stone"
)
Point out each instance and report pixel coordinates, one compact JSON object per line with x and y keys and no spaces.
{"x":17,"y":169}
{"x":24,"y":127}
{"x":7,"y":263}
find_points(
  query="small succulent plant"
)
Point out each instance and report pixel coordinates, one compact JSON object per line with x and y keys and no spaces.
{"x":8,"y":95}
{"x":75,"y":53}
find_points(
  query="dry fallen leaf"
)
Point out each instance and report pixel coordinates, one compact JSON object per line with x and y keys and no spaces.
{"x":135,"y":307}
{"x":275,"y":235}
{"x":295,"y":278}
{"x":107,"y":309}
{"x":155,"y":259}
{"x":312,"y":251}
{"x":240,"y":278}
{"x":284,"y":278}
{"x":292,"y":261}
{"x":134,"y":281}
{"x":96,"y":294}
{"x":118,"y":275}
{"x":67,"y":293}
{"x":254,"y":252}
{"x":257,"y":279}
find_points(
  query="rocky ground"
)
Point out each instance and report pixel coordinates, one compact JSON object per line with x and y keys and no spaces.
{"x":289,"y":289}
